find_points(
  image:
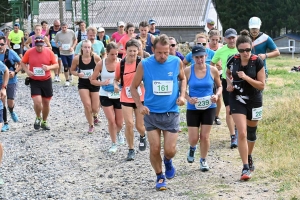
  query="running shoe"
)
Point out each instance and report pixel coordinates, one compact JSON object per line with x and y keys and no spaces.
{"x":233,"y":142}
{"x":113,"y":148}
{"x":67,"y":83}
{"x":246,"y":175}
{"x":191,"y":155}
{"x":5,"y":128}
{"x":45,"y":126}
{"x":96,"y":120}
{"x":143,"y":143}
{"x":218,"y":121}
{"x":70,"y":77}
{"x":250,"y":162}
{"x":161,"y":183}
{"x":170,"y":169}
{"x":120,"y":139}
{"x":130,"y":155}
{"x":14,"y":116}
{"x":57,"y":79}
{"x":91,"y":129}
{"x":37,"y":123}
{"x":1,"y":180}
{"x":204,"y":166}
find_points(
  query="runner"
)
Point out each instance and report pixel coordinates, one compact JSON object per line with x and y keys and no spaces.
{"x":16,"y":39}
{"x":38,"y":32}
{"x":245,"y":83}
{"x":210,"y":24}
{"x":39,"y":73}
{"x":262,"y":42}
{"x":98,"y":47}
{"x":11,"y":59}
{"x":81,"y":34}
{"x":116,"y":36}
{"x":142,"y":53}
{"x":52,"y":31}
{"x":173,"y":48}
{"x":125,"y":71}
{"x":5,"y":76}
{"x":160,"y":74}
{"x":145,"y":37}
{"x":44,"y":25}
{"x":66,"y":41}
{"x":102,"y":37}
{"x":222,"y":55}
{"x":201,"y":107}
{"x":109,"y":99}
{"x":152,"y":28}
{"x":129,"y":29}
{"x":86,"y":63}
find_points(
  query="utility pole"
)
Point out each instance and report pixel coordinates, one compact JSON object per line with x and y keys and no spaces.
{"x":61,"y":11}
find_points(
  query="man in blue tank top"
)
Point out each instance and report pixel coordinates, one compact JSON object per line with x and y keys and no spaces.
{"x":160,"y":74}
{"x":145,"y":37}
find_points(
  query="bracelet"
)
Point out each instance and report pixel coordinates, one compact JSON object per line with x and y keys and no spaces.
{"x":266,"y":55}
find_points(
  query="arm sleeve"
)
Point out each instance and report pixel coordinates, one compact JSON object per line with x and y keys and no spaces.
{"x":14,"y":56}
{"x":259,"y":64}
{"x":271,"y":45}
{"x":188,"y":57}
{"x":216,"y":57}
{"x":230,"y":61}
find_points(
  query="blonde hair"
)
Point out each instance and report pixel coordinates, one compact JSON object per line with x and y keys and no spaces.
{"x":87,"y":41}
{"x":201,"y":35}
{"x":93,"y":29}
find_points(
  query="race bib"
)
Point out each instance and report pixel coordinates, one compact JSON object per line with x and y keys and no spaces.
{"x":38,"y":71}
{"x":65,"y":46}
{"x":162,"y":87}
{"x":257,"y":113}
{"x":16,"y":46}
{"x":113,"y":95}
{"x":203,"y":103}
{"x":87,"y":73}
{"x":128,"y":93}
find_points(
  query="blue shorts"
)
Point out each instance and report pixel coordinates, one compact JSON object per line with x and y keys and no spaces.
{"x":67,"y":60}
{"x":1,"y":116}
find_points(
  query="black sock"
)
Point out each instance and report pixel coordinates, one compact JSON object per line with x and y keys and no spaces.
{"x":246,"y":166}
{"x":158,"y":174}
{"x":131,"y":149}
{"x":249,"y":156}
{"x":4,"y":114}
{"x":11,"y":109}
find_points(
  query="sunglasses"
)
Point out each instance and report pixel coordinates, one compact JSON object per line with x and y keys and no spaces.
{"x":243,"y":50}
{"x":203,"y":43}
{"x":2,"y":44}
{"x":57,"y":25}
{"x":137,"y":37}
{"x":172,"y":45}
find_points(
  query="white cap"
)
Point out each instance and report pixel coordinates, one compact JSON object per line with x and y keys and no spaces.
{"x":254,"y":22}
{"x":121,"y":23}
{"x":101,"y":29}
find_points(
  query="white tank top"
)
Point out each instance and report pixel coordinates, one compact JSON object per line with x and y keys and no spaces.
{"x":105,"y":75}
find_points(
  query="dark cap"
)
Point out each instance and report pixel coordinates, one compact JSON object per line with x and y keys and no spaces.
{"x":230,"y":33}
{"x":17,"y":24}
{"x":39,"y":41}
{"x":198,"y":50}
{"x":152,"y":21}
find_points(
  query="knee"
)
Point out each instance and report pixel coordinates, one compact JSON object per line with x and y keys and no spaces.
{"x":140,"y":127}
{"x":204,"y":137}
{"x":155,"y":149}
{"x":129,"y":125}
{"x":87,"y":106}
{"x":251,"y":133}
{"x":170,"y":152}
{"x":66,"y":69}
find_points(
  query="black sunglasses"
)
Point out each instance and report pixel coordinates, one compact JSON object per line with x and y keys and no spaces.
{"x":243,"y":50}
{"x":172,"y":45}
{"x":203,"y":43}
{"x":2,"y":44}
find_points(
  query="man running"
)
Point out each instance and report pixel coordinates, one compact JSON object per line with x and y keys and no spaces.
{"x":152,"y":28}
{"x":39,"y":73}
{"x":16,"y":39}
{"x":11,"y":59}
{"x":160,"y":74}
{"x":81,"y":34}
{"x":102,"y":37}
{"x":145,"y":37}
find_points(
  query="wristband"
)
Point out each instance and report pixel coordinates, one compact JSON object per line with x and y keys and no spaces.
{"x":266,"y":55}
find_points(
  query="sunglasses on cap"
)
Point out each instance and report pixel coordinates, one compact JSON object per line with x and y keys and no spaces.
{"x":137,"y":37}
{"x":2,"y":44}
{"x":172,"y":45}
{"x":202,"y":43}
{"x":243,"y":50}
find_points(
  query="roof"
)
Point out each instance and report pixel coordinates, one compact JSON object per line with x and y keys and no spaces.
{"x":289,"y":35}
{"x":106,"y":13}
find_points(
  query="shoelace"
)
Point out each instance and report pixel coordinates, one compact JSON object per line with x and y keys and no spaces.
{"x":192,"y":152}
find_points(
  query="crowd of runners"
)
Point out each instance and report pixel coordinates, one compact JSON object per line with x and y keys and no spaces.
{"x":140,"y":80}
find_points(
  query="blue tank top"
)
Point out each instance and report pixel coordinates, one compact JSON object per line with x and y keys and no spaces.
{"x":200,"y":87}
{"x":161,"y":84}
{"x":149,"y":44}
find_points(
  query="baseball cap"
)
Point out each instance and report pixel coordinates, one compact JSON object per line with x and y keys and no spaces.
{"x":230,"y":32}
{"x":17,"y":24}
{"x":198,"y":50}
{"x":254,"y":22}
{"x":152,"y":21}
{"x":101,"y":29}
{"x":39,"y":41}
{"x":120,"y":23}
{"x":210,"y":21}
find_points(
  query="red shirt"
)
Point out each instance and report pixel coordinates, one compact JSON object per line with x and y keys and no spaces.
{"x":36,"y":59}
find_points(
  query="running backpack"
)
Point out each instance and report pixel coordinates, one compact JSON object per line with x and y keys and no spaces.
{"x":79,"y":36}
{"x":7,"y":62}
{"x":122,"y":68}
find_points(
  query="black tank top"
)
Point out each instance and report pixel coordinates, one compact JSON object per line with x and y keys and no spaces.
{"x":87,"y":69}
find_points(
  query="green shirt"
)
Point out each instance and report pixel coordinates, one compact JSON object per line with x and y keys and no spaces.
{"x":223,"y":54}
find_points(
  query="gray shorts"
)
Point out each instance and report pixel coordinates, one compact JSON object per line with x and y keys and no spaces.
{"x":1,"y":116}
{"x":163,"y":121}
{"x":11,"y":91}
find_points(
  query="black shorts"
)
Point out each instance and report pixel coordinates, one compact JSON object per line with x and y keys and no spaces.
{"x":225,"y":93}
{"x":236,"y":107}
{"x":130,"y":104}
{"x":106,"y":102}
{"x":42,"y":88}
{"x":18,"y":51}
{"x":89,"y":87}
{"x":215,"y":86}
{"x":56,"y":51}
{"x":195,"y":118}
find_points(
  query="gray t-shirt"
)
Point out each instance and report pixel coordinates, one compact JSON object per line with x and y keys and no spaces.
{"x":65,"y":41}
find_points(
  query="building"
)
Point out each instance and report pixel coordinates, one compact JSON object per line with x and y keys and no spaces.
{"x":182,"y":19}
{"x":285,"y":41}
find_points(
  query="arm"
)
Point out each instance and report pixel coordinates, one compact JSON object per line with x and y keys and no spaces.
{"x":4,"y":83}
{"x":182,"y":78}
{"x":28,"y":42}
{"x":95,"y":74}
{"x":217,"y":65}
{"x":74,"y":65}
{"x":152,"y":38}
{"x":74,"y":44}
{"x":185,"y":62}
{"x":218,"y":83}
{"x":47,"y":42}
{"x":53,"y":61}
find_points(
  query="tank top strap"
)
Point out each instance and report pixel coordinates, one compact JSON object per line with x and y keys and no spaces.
{"x":104,"y":66}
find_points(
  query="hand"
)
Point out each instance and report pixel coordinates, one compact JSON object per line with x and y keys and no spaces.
{"x":11,"y":74}
{"x":80,"y":75}
{"x":29,"y":73}
{"x":180,"y":101}
{"x":214,"y":98}
{"x":60,"y":48}
{"x":241,"y":74}
{"x":229,"y":88}
{"x":3,"y":94}
{"x":106,"y":82}
{"x":262,"y":56}
{"x":45,"y":67}
{"x":71,"y":49}
{"x":116,"y":88}
{"x":193,"y":100}
{"x":144,"y":110}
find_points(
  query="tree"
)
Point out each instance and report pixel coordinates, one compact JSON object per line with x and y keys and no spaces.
{"x":5,"y":12}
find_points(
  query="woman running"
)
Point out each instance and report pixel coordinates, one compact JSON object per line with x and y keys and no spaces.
{"x":245,"y":82}
{"x":129,"y":29}
{"x":201,"y":107}
{"x":109,"y":99}
{"x":86,"y":63}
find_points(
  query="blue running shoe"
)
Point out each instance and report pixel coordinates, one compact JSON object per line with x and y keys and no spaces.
{"x":161,"y":183}
{"x":14,"y":116}
{"x":191,"y":154}
{"x":170,"y":169}
{"x":233,"y":143}
{"x":5,"y":128}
